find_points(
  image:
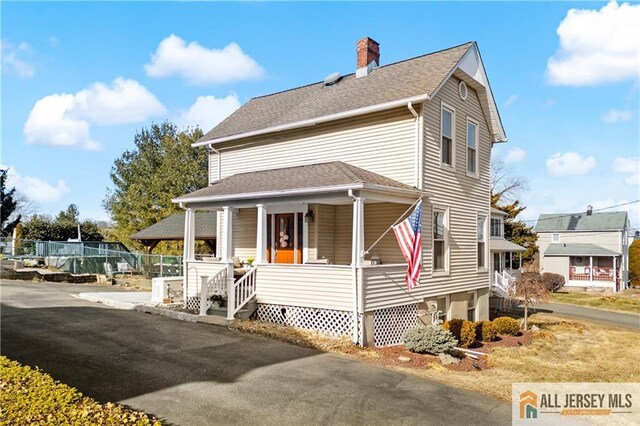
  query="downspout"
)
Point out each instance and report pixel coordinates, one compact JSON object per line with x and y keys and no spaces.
{"x":418,"y":145}
{"x":215,"y":151}
{"x":354,"y":270}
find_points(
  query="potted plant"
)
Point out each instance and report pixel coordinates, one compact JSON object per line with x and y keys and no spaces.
{"x":250,"y":261}
{"x":216,"y":299}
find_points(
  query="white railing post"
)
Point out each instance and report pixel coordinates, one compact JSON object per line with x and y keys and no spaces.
{"x":204,"y":295}
{"x":261,"y":235}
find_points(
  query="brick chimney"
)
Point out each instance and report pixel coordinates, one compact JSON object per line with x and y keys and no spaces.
{"x":368,"y":56}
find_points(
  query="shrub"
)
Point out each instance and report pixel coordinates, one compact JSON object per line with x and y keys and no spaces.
{"x":31,"y":397}
{"x":486,"y":331}
{"x":430,"y":339}
{"x":552,"y":282}
{"x":454,"y":326}
{"x":467,"y":334}
{"x":506,"y":325}
{"x":634,"y":264}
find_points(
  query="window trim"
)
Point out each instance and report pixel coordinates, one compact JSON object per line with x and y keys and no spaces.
{"x":475,"y":174}
{"x":445,"y":222}
{"x":452,"y":110}
{"x":553,"y":240}
{"x":485,"y":267}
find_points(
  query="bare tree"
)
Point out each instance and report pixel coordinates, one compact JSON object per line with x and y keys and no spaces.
{"x":530,"y":289}
{"x":505,"y":184}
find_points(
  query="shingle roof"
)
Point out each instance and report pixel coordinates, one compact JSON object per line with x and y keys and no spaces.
{"x":322,"y":175}
{"x":576,"y":249}
{"x":499,"y":244}
{"x":172,"y":228}
{"x":417,"y":76}
{"x":597,"y":221}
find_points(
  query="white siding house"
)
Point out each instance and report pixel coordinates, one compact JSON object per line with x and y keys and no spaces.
{"x":306,"y":184}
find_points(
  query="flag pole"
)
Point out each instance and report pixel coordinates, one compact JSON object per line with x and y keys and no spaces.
{"x":394,"y":224}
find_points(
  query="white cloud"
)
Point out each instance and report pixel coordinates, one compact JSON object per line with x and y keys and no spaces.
{"x":630,"y":167}
{"x":511,"y":99}
{"x":200,"y":65}
{"x":569,"y":164}
{"x":36,"y":189}
{"x":617,"y":116}
{"x":597,"y":46}
{"x":207,"y":111}
{"x":515,"y":155}
{"x":13,"y":61}
{"x":64,"y":119}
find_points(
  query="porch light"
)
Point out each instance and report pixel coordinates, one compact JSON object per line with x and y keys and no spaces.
{"x":308,"y":217}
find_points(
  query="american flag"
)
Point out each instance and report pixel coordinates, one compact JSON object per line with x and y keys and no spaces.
{"x":409,"y":236}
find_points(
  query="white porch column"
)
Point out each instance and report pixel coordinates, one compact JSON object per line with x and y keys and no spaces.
{"x":261,"y":235}
{"x":615,"y":274}
{"x":188,"y":252}
{"x":357,"y":254}
{"x":590,"y":268}
{"x":227,"y":254}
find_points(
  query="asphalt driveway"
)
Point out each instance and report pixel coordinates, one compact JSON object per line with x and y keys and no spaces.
{"x":199,"y":374}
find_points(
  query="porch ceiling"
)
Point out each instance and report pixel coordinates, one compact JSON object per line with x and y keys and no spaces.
{"x":315,"y":180}
{"x":578,"y":250}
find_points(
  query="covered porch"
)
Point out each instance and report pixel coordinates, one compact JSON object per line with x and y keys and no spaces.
{"x":585,"y":265}
{"x":506,"y":262}
{"x":308,"y":247}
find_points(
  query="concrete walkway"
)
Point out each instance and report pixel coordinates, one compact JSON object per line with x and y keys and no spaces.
{"x":119,"y":299}
{"x":199,"y":374}
{"x":617,"y":319}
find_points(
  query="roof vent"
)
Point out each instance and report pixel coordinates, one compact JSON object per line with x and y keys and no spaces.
{"x":462,"y":90}
{"x":332,"y":79}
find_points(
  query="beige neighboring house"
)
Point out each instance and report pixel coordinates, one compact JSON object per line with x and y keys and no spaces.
{"x":589,"y":249}
{"x":305,"y":181}
{"x":505,"y":259}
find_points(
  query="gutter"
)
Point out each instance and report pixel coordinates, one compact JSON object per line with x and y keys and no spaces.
{"x":318,"y":120}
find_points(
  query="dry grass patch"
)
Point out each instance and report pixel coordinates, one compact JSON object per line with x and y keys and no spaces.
{"x":627,"y":301}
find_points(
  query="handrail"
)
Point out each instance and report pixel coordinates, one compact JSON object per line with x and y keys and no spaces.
{"x":243,"y":290}
{"x":208,"y":285}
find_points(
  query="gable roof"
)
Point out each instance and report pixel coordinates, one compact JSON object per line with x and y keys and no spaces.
{"x":320,"y":177}
{"x":172,"y":228}
{"x":389,"y":86}
{"x":578,"y":249}
{"x":597,"y":221}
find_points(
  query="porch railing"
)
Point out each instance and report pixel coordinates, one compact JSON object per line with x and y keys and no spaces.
{"x":209,"y":286}
{"x":599,"y":274}
{"x":243,"y":291}
{"x":504,"y":284}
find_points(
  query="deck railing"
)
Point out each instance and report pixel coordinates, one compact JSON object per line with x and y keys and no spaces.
{"x":599,"y":274}
{"x":243,"y":291}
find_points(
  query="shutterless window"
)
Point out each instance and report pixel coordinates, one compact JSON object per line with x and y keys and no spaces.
{"x":438,"y":241}
{"x":472,"y":147}
{"x":496,"y":227}
{"x":482,"y":243}
{"x":446,"y":147}
{"x":471,"y":306}
{"x":442,"y":308}
{"x":555,"y":238}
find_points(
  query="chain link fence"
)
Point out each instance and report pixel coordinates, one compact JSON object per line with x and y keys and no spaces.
{"x":92,"y":257}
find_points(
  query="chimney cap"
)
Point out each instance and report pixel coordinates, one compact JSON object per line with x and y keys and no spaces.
{"x":589,"y":210}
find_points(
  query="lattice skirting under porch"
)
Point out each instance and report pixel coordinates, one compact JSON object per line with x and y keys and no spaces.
{"x":390,"y":324}
{"x":327,"y":321}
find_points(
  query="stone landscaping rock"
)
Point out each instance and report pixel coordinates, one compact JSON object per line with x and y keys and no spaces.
{"x":404,"y":358}
{"x":447,"y":359}
{"x":535,"y":328}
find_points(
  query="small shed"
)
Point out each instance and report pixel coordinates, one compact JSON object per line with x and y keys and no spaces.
{"x":172,"y":229}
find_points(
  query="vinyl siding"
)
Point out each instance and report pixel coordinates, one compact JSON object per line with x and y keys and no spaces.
{"x":449,"y":188}
{"x":197,"y":269}
{"x":383,"y":143}
{"x":245,"y":230}
{"x":330,"y":287}
{"x":378,"y":218}
{"x":213,"y":166}
{"x":343,"y":234}
{"x":324,"y":225}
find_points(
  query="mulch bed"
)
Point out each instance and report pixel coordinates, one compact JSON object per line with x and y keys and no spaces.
{"x":391,"y":355}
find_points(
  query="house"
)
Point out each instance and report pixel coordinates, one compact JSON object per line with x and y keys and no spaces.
{"x":504,"y":266}
{"x":307,"y":182}
{"x":589,"y":249}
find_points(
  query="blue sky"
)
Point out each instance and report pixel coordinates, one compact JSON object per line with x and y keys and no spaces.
{"x":569,"y":98}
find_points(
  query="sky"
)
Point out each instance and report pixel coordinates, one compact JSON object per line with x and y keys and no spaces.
{"x":80,"y":79}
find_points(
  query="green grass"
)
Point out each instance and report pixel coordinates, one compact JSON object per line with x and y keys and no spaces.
{"x":627,"y":301}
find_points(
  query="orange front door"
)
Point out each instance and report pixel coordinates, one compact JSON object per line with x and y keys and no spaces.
{"x":284,"y":238}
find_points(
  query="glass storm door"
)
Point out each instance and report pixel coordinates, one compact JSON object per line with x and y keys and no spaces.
{"x":287,"y":240}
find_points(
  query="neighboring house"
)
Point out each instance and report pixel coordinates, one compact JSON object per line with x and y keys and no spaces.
{"x":505,"y":256}
{"x":305,"y":180}
{"x":589,"y":249}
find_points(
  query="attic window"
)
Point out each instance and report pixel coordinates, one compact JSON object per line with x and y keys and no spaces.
{"x":462,"y":90}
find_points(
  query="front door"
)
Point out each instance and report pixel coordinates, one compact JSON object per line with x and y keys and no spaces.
{"x":284,"y":238}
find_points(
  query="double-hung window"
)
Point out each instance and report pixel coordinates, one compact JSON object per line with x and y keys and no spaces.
{"x":496,"y":227}
{"x":555,"y":238}
{"x":472,"y":148}
{"x":439,"y":241}
{"x":471,"y":306}
{"x":482,"y":242}
{"x":447,"y":129}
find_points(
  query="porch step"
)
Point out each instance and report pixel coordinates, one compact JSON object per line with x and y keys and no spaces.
{"x":242,"y":314}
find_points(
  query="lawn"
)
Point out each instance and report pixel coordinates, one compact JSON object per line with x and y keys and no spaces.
{"x":562,"y":350}
{"x":626,"y":301}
